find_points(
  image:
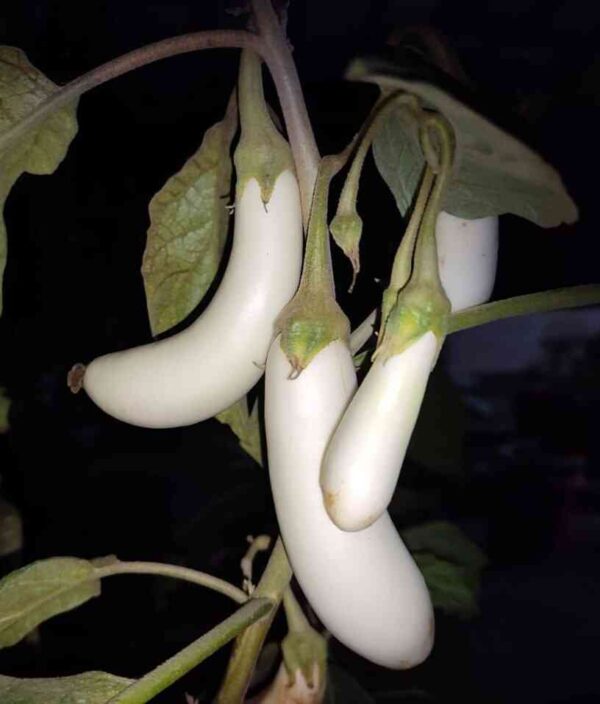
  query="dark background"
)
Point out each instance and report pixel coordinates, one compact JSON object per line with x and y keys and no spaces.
{"x":87,"y":485}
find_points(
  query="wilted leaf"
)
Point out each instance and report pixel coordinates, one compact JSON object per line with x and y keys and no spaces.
{"x":245,"y":425}
{"x":446,"y":541}
{"x":87,"y":688}
{"x":188,"y":229}
{"x":40,"y":151}
{"x":41,"y":590}
{"x":11,"y":529}
{"x":494,"y":173}
{"x":453,"y":588}
{"x":4,"y":408}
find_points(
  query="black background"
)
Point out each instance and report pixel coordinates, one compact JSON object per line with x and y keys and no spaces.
{"x":90,"y":486}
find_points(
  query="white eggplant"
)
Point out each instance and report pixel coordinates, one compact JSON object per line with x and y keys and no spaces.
{"x":467,"y":256}
{"x":202,"y":370}
{"x":364,"y":458}
{"x":365,"y":455}
{"x":365,"y":587}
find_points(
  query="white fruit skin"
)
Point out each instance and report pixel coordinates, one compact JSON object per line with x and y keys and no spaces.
{"x":199,"y":372}
{"x":365,"y":587}
{"x":467,"y":256}
{"x":365,"y":455}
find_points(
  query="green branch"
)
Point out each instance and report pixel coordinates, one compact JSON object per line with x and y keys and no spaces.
{"x":175,"y":571}
{"x":184,"y":44}
{"x":273,"y":583}
{"x":185,"y":660}
{"x":544,"y":301}
{"x":296,"y":618}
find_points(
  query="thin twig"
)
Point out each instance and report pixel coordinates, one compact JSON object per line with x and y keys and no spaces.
{"x":544,"y":301}
{"x":185,"y":660}
{"x":186,"y":43}
{"x":242,"y":662}
{"x":177,"y":572}
{"x":295,"y":616}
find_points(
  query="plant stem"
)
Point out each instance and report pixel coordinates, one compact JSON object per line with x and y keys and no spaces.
{"x":317,"y":272}
{"x":273,"y":583}
{"x":296,"y":618}
{"x":277,"y":55}
{"x":426,"y":266}
{"x":402,"y":266}
{"x":186,"y":43}
{"x":180,"y":664}
{"x":544,"y":301}
{"x":177,"y":572}
{"x":361,"y":335}
{"x":541,"y":302}
{"x":272,"y":46}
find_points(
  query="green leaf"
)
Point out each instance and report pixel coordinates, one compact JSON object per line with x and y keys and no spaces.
{"x":11,"y":529}
{"x":87,"y":688}
{"x":4,"y":408}
{"x":41,"y":590}
{"x":245,"y":425}
{"x":445,"y":540}
{"x":40,"y":151}
{"x":494,"y":173}
{"x":453,"y":588}
{"x":398,"y":154}
{"x":188,"y":228}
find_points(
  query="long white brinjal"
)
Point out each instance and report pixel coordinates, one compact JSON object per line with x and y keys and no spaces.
{"x":363,"y":459}
{"x":365,"y":586}
{"x":201,"y":371}
{"x":366,"y":453}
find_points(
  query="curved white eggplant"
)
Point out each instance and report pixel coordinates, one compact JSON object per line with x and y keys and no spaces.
{"x":365,"y":455}
{"x":365,"y":587}
{"x":211,"y":364}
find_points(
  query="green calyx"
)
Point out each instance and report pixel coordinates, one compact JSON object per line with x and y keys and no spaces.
{"x":313,"y":319}
{"x":304,"y":649}
{"x":262,"y":153}
{"x":419,"y":308}
{"x":309,"y":323}
{"x":306,"y":652}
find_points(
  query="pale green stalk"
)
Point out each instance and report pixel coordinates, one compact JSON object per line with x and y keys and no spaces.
{"x":273,"y":583}
{"x":186,"y":574}
{"x":184,"y":44}
{"x":542,"y":302}
{"x":174,"y":668}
